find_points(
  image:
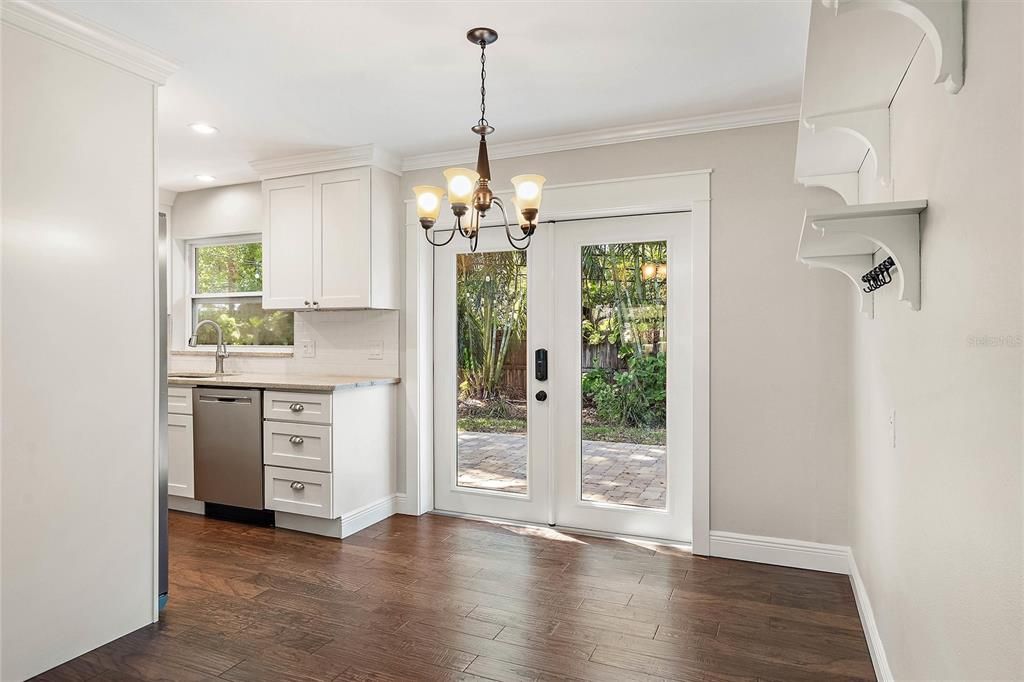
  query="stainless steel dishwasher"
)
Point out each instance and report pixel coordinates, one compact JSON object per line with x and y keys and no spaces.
{"x":228,"y":440}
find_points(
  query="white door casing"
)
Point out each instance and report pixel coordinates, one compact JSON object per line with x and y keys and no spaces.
{"x":682,"y":191}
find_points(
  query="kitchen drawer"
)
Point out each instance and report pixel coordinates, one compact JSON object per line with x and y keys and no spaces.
{"x":297,"y":491}
{"x":300,"y":446}
{"x":311,"y":408}
{"x":179,"y":400}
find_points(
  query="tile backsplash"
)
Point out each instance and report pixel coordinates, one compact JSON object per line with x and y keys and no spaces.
{"x":345,"y":344}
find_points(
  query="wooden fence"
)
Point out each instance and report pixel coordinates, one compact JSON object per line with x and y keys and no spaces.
{"x":518,"y":367}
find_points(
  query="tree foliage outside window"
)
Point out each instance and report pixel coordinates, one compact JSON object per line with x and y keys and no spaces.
{"x":623,"y":332}
{"x":229,"y":268}
{"x":491,"y":290}
{"x":623,"y":339}
{"x":227,"y":284}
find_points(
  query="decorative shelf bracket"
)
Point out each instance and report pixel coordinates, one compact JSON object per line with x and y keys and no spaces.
{"x":847,"y":239}
{"x":942,"y":22}
{"x":846,"y":185}
{"x":851,"y":266}
{"x":870,"y":126}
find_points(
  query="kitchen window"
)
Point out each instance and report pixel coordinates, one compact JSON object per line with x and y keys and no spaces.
{"x":226,"y":286}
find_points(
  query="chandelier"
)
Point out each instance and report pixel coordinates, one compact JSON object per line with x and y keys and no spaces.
{"x":469,"y":193}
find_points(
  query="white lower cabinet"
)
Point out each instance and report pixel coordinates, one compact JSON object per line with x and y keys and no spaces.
{"x":180,"y":452}
{"x":341,"y":468}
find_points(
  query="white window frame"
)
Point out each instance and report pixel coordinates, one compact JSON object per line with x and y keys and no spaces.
{"x":191,"y":296}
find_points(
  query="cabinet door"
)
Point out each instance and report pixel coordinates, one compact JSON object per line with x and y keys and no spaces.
{"x":180,"y":466}
{"x":288,"y":243}
{"x":341,"y":250}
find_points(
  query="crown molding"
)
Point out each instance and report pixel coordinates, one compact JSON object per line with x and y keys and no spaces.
{"x":605,"y":136}
{"x":81,"y":35}
{"x":334,"y":159}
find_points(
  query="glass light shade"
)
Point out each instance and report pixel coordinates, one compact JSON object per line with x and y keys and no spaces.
{"x":528,"y":191}
{"x":428,"y":201}
{"x":461,"y":185}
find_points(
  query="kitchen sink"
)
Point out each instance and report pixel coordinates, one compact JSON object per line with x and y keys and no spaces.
{"x":198,"y":375}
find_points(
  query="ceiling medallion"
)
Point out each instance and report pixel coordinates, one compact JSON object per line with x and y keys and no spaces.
{"x":468,"y":191}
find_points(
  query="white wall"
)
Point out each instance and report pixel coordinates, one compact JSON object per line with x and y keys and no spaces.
{"x":343,"y":338}
{"x":937,"y":520}
{"x":77,"y":362}
{"x":779,"y":332}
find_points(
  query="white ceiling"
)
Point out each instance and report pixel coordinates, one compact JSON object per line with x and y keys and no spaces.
{"x":281,"y":78}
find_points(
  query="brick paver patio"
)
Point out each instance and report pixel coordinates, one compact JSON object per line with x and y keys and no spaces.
{"x":621,"y":473}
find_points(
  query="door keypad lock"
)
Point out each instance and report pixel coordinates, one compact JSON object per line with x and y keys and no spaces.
{"x":540,"y":363}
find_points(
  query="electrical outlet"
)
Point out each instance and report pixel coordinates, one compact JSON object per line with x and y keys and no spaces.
{"x":376,"y":350}
{"x":308,"y":348}
{"x":892,"y":428}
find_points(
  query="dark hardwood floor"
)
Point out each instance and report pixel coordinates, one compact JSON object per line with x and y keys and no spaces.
{"x":437,"y":598}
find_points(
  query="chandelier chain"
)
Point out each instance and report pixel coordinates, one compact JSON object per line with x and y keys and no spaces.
{"x":483,"y":85}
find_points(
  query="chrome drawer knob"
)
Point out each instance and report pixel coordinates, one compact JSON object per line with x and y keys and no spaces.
{"x":296,"y":407}
{"x":296,"y":485}
{"x":295,"y":440}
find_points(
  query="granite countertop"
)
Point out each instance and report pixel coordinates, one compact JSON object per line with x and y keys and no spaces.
{"x":285,"y":382}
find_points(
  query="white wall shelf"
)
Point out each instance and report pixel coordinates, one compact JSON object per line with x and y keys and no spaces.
{"x":847,"y":240}
{"x":942,"y":22}
{"x":855,"y":63}
{"x":869,"y":126}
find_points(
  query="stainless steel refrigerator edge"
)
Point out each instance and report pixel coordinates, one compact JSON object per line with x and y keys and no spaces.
{"x":162,"y":314}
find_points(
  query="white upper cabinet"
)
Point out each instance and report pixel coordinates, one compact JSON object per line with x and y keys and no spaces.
{"x":341,"y":255}
{"x":330,"y":240}
{"x":288,"y":243}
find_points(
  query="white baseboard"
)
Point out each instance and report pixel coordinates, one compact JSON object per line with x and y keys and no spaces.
{"x":367,"y":515}
{"x":867,"y":621}
{"x":815,"y":556}
{"x":185,"y":504}
{"x":329,"y":528}
{"x":781,"y":552}
{"x":342,"y":527}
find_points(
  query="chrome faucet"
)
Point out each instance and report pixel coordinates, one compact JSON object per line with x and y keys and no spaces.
{"x":222,"y":350}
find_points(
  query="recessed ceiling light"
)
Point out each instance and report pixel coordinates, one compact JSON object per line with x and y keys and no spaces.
{"x":205,"y":178}
{"x":202,"y":128}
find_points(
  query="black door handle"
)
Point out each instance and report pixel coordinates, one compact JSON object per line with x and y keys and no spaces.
{"x":542,"y":396}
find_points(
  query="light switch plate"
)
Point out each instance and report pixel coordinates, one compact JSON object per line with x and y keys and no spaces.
{"x":308,"y":348}
{"x":376,"y":350}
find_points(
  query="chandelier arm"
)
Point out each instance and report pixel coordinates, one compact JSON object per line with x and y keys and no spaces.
{"x":513,"y":242}
{"x":508,"y":228}
{"x":458,"y":223}
{"x":426,"y":235}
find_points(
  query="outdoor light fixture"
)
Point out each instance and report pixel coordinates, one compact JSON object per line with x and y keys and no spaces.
{"x":469,"y":194}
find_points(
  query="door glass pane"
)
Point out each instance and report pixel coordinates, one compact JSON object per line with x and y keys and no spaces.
{"x":623,"y":382}
{"x":491,"y":333}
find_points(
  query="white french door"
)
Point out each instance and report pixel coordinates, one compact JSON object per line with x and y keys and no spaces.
{"x":491,"y":435}
{"x":607,"y":445}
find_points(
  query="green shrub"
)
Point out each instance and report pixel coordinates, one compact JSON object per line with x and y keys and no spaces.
{"x":634,"y":397}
